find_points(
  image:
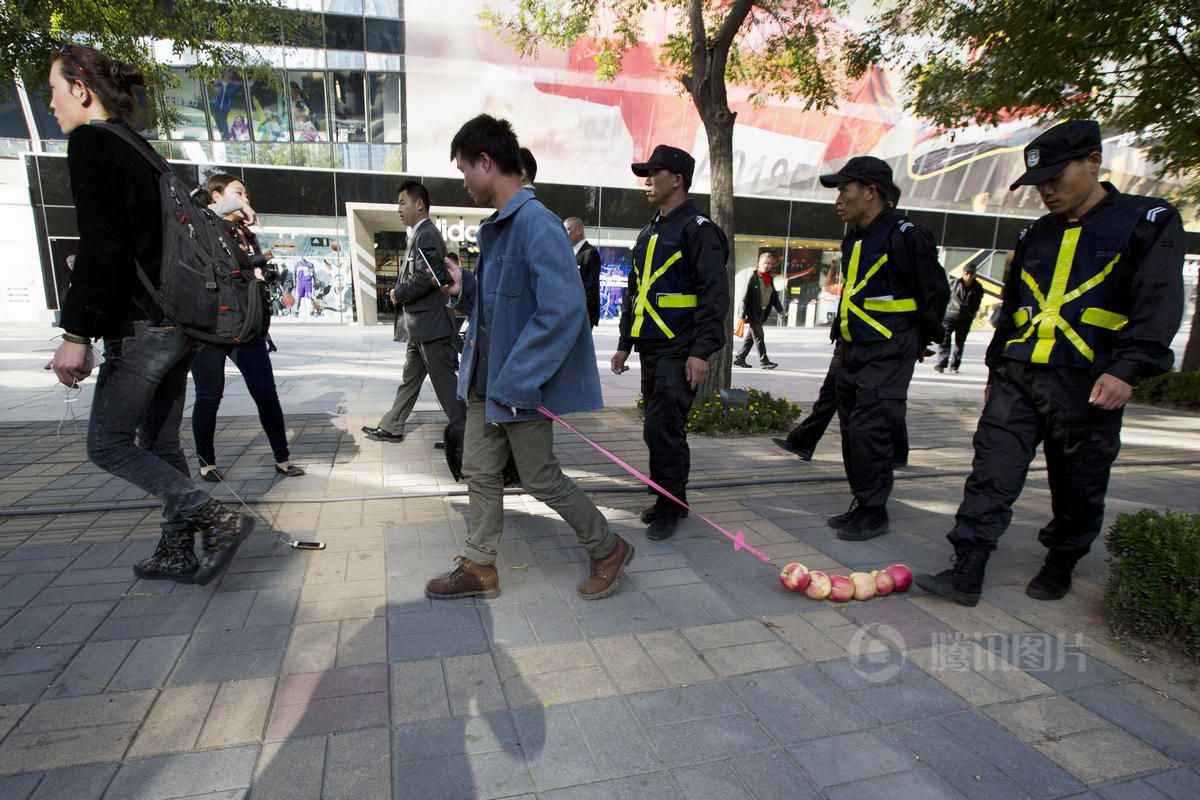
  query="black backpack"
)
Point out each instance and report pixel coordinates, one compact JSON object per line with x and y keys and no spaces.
{"x":203,"y":287}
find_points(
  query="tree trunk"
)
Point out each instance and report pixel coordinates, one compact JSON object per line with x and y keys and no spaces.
{"x":718,"y":125}
{"x":1191,"y":353}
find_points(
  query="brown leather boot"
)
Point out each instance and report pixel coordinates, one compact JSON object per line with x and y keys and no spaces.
{"x":605,"y":571}
{"x":467,"y":580}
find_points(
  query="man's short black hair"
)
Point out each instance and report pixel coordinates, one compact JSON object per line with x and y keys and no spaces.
{"x":528,"y":164}
{"x":453,"y":256}
{"x":486,"y":134}
{"x":415,"y":191}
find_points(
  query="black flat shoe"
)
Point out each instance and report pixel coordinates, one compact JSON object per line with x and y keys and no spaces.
{"x":648,"y":514}
{"x":662,"y":527}
{"x":292,"y":471}
{"x":212,"y":476}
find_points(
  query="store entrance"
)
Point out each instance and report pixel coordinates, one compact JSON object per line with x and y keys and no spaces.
{"x":378,"y":240}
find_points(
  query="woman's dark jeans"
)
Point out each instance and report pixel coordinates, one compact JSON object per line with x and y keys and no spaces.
{"x":208,"y":374}
{"x":133,"y":432}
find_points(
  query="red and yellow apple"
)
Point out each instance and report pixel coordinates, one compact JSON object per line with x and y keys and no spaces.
{"x":884,"y":582}
{"x":818,"y":585}
{"x":841,"y":588}
{"x":864,"y":585}
{"x":795,"y":576}
{"x":902,"y":576}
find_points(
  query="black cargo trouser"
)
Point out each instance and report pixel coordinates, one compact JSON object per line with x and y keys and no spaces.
{"x":668,"y":401}
{"x":1031,"y":405}
{"x":872,"y":396}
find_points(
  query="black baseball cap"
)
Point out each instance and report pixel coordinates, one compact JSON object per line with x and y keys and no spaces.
{"x":867,"y":170}
{"x":672,"y":159}
{"x":1052,"y":150}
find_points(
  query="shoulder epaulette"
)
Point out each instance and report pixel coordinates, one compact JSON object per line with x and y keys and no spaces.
{"x":1154,"y":213}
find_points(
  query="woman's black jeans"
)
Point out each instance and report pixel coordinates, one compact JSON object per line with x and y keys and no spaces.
{"x":208,"y":374}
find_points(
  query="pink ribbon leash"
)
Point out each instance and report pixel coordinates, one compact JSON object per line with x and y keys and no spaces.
{"x":738,"y":539}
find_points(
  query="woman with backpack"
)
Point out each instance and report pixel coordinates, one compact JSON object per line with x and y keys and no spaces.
{"x":133,"y":430}
{"x":230,"y":201}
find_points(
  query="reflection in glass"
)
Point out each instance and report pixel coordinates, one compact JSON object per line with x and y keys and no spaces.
{"x":349,"y":108}
{"x":385,"y":36}
{"x":227,"y":103}
{"x":387,"y":121}
{"x":12,"y":121}
{"x":343,"y":33}
{"x":187,"y":101}
{"x":307,"y":94}
{"x":269,"y":109}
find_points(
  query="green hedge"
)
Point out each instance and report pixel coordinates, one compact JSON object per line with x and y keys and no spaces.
{"x":762,"y":414}
{"x":1154,"y":589}
{"x":1178,"y":389}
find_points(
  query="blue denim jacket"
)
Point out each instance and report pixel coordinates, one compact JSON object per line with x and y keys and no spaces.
{"x":540,"y":340}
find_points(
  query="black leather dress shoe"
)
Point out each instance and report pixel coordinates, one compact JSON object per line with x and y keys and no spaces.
{"x":380,"y":435}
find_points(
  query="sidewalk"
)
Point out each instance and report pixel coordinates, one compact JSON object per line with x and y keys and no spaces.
{"x":328,"y":674}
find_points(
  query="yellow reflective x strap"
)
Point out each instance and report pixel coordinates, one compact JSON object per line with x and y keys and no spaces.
{"x":853,"y":286}
{"x":1049,"y":321}
{"x":643,"y":306}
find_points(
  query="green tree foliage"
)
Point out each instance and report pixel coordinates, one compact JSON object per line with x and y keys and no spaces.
{"x":216,"y":31}
{"x":776,"y":49}
{"x":1134,"y":66}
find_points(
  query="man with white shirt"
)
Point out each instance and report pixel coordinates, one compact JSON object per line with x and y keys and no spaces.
{"x":422,"y":320}
{"x":588,"y":259}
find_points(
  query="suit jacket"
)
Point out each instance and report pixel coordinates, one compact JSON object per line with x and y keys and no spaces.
{"x":421,"y":312}
{"x":588,"y":259}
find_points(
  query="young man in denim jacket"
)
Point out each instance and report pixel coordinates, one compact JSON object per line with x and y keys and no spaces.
{"x":529,"y":347}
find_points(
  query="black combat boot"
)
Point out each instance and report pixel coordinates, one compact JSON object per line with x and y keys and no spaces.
{"x":174,"y":559}
{"x":838,"y":520}
{"x":867,"y":523}
{"x":964,"y":582}
{"x":222,"y":530}
{"x":1054,"y":580}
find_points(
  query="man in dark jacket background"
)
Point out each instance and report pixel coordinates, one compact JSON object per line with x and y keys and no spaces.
{"x":965,"y":296}
{"x":422,"y":320}
{"x":587,"y":257}
{"x":758,"y":301}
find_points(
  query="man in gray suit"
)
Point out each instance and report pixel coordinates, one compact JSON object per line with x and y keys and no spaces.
{"x":422,"y":320}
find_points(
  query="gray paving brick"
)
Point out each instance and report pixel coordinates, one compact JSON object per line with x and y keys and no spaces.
{"x":669,"y":706}
{"x":695,"y":604}
{"x":1177,"y":783}
{"x":554,"y":747}
{"x":48,"y":750}
{"x":358,"y":766}
{"x":149,"y":663}
{"x":290,"y":770}
{"x":226,"y":611}
{"x":1161,"y":734}
{"x":418,"y":691}
{"x":187,"y":601}
{"x":774,"y":775}
{"x":9,"y":716}
{"x":27,"y":625}
{"x":436,"y":644}
{"x":238,"y":714}
{"x":221,"y":667}
{"x":35,"y":659}
{"x":80,"y":594}
{"x":776,"y":709}
{"x":26,"y":687}
{"x":870,"y":670}
{"x":851,"y":757}
{"x":237,"y":641}
{"x":175,"y":721}
{"x":706,"y":739}
{"x":166,"y":777}
{"x":1054,"y":660}
{"x":650,"y":786}
{"x":473,"y":685}
{"x":362,"y":641}
{"x":18,"y":787}
{"x":715,"y":781}
{"x":67,"y":713}
{"x":917,"y":783}
{"x":145,"y":626}
{"x":91,"y":670}
{"x":312,"y":648}
{"x":24,"y":587}
{"x":34,"y":565}
{"x":1035,"y":773}
{"x":552,"y":622}
{"x":273,"y":607}
{"x":917,"y":698}
{"x":91,"y":577}
{"x":622,"y":623}
{"x":613,"y":737}
{"x":77,"y":783}
{"x":77,"y":624}
{"x":99,"y":556}
{"x":474,"y":777}
{"x":827,"y":704}
{"x":964,"y":769}
{"x":1131,"y":790}
{"x":422,"y":741}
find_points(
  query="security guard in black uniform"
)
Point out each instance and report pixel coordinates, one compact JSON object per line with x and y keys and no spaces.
{"x":893,"y":298}
{"x":1091,"y":302}
{"x":674,"y":313}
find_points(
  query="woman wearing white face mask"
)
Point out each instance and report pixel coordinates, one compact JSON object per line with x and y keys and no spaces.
{"x":133,"y":432}
{"x":231,"y":202}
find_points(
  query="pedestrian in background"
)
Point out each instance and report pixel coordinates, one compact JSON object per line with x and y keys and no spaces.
{"x":757,"y":303}
{"x":965,"y":296}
